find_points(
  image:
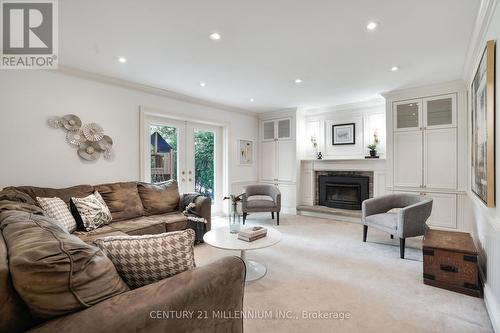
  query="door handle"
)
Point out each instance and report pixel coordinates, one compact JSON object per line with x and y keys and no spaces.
{"x":190,"y":179}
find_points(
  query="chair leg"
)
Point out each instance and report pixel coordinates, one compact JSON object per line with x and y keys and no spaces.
{"x":244,"y":217}
{"x":365,"y":232}
{"x":392,"y":236}
{"x":277,"y":218}
{"x":402,"y":247}
{"x":272,"y":215}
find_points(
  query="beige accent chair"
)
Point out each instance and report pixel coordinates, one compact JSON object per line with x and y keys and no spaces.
{"x":261,"y":198}
{"x":408,"y":221}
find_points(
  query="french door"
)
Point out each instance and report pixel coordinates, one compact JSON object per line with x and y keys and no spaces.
{"x":188,"y":152}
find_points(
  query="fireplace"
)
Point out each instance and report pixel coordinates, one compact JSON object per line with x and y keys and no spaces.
{"x":346,"y":191}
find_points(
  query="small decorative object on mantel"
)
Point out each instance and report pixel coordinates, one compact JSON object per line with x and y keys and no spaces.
{"x":89,"y":139}
{"x":373,"y":147}
{"x":314,"y":143}
{"x":320,"y":156}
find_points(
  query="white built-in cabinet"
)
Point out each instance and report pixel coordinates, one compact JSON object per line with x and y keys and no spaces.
{"x":278,"y":158}
{"x":424,"y":150}
{"x":278,"y":150}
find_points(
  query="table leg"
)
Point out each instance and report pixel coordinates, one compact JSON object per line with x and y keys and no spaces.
{"x":255,"y":270}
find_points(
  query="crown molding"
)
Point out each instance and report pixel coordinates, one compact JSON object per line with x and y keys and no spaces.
{"x":477,"y":39}
{"x":66,"y":70}
{"x":430,"y":90}
{"x":367,"y":104}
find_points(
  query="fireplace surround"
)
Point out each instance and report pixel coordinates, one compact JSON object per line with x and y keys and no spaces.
{"x":343,"y":191}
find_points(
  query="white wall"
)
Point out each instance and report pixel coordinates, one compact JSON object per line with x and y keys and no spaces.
{"x":34,"y":154}
{"x":367,"y":117}
{"x":485,"y":222}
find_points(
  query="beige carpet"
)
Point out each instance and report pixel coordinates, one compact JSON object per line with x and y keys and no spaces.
{"x":323,"y":265}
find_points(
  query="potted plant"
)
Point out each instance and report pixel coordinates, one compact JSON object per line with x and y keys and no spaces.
{"x":373,"y":149}
{"x":373,"y":146}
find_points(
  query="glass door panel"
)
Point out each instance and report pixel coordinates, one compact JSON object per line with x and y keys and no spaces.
{"x":163,"y":144}
{"x":204,"y":163}
{"x":440,"y":111}
{"x":407,"y":115}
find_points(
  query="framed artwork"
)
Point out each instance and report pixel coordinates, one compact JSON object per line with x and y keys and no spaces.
{"x":245,"y":152}
{"x":483,"y":127}
{"x":344,"y":134}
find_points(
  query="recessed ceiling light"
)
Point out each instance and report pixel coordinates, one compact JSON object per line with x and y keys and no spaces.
{"x":372,"y":26}
{"x":298,"y":80}
{"x":215,"y":36}
{"x":122,"y":60}
{"x":202,"y":83}
{"x":394,"y":68}
{"x":252,"y":100}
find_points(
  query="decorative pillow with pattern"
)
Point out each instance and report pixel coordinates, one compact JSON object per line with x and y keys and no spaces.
{"x":57,"y":209}
{"x":141,"y":260}
{"x":90,"y":212}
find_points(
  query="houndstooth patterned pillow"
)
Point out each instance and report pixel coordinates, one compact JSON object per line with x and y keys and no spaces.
{"x":141,"y":260}
{"x":58,"y":210}
{"x":92,"y":210}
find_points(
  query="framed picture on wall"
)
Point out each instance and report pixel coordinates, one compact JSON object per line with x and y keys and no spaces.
{"x":245,"y":152}
{"x":483,"y":127}
{"x":344,"y":134}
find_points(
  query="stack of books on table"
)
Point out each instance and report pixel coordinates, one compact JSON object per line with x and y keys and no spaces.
{"x":251,"y":234}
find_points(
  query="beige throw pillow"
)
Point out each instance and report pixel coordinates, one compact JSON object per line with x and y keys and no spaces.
{"x":141,"y":260}
{"x":58,"y":210}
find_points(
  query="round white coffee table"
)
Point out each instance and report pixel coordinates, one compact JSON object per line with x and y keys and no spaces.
{"x":222,"y":239}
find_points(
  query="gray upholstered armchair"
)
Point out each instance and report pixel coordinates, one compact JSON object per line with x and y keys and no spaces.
{"x":261,"y":198}
{"x":409,"y":221}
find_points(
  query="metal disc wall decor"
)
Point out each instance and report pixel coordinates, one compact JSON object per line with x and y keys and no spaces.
{"x":89,"y":139}
{"x":71,"y":122}
{"x":75,"y":138}
{"x":93,"y":132}
{"x":89,"y":151}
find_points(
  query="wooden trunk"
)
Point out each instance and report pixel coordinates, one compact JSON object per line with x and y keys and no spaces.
{"x":450,"y":262}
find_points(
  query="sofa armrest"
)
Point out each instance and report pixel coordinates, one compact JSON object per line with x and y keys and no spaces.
{"x":203,"y":299}
{"x":204,"y":209}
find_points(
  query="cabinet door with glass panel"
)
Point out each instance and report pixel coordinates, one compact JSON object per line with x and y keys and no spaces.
{"x":408,"y":115}
{"x":439,"y":111}
{"x":280,"y":129}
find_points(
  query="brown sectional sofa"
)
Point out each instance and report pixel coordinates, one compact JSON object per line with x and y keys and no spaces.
{"x":130,"y":212}
{"x":214,"y":288}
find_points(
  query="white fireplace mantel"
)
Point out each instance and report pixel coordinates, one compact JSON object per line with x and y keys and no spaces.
{"x":308,"y":169}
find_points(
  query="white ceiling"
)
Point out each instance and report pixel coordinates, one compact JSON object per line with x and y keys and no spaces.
{"x":266,"y":44}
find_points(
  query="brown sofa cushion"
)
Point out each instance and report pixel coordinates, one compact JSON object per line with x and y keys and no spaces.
{"x":159,"y":198}
{"x":55,"y":273}
{"x":14,"y":315}
{"x":123,"y":200}
{"x":144,"y":225}
{"x":65,"y":194}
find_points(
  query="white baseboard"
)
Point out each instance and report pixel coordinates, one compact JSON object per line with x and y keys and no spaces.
{"x":493,"y":308}
{"x":329,"y":216}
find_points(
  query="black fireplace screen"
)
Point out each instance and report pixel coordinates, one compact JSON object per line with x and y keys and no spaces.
{"x":346,"y":192}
